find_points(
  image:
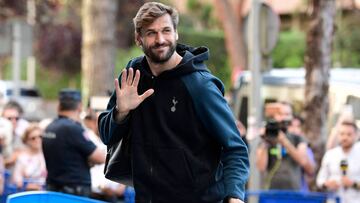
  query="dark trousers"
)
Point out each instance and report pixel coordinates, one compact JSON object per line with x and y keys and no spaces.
{"x":80,"y":190}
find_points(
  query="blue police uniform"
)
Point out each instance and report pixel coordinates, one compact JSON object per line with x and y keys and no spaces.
{"x":66,"y":150}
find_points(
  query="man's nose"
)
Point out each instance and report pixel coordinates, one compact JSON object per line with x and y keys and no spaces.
{"x":160,"y":38}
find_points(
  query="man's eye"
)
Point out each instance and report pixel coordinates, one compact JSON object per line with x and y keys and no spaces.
{"x":150,"y":33}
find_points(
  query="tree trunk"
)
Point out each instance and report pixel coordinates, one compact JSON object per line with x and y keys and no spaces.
{"x":98,"y":47}
{"x":233,"y":34}
{"x":318,"y":64}
{"x":2,"y":67}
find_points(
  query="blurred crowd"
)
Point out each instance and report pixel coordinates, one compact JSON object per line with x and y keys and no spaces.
{"x":22,"y":163}
{"x":286,"y":159}
{"x":284,"y":156}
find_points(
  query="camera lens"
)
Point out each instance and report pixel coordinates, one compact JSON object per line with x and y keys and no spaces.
{"x":272,"y":128}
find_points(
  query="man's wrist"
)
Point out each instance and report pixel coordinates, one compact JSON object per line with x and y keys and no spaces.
{"x":355,"y":185}
{"x":324,"y":187}
{"x":119,"y":116}
{"x":282,"y":139}
{"x":234,"y":200}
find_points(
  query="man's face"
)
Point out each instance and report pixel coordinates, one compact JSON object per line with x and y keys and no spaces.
{"x":347,"y":136}
{"x":158,"y":40}
{"x":284,"y":113}
{"x":12,"y":115}
{"x":295,"y":127}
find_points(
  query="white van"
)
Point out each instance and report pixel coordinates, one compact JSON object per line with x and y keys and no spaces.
{"x":29,"y":99}
{"x":288,"y":85}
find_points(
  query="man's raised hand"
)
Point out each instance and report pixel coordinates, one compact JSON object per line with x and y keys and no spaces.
{"x":127,"y":97}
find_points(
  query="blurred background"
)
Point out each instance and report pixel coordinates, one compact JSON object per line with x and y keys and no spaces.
{"x":55,"y":34}
{"x":306,"y":52}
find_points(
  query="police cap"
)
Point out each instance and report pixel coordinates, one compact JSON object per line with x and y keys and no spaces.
{"x":69,"y":95}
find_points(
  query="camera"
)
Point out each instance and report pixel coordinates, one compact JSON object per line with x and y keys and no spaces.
{"x":272,"y":127}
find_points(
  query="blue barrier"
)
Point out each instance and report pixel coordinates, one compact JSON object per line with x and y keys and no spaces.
{"x":47,"y":197}
{"x":286,"y":196}
{"x":9,"y":188}
{"x":129,"y":195}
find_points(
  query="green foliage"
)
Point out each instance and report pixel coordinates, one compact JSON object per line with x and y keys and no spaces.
{"x":218,"y":62}
{"x":206,"y":12}
{"x":51,"y":82}
{"x":290,"y":50}
{"x":8,"y":70}
{"x":200,"y":16}
{"x":124,"y":56}
{"x":48,"y":81}
{"x":193,"y":5}
{"x":347,"y":43}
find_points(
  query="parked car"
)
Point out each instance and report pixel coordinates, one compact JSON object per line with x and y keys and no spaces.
{"x":30,"y":99}
{"x":288,"y":84}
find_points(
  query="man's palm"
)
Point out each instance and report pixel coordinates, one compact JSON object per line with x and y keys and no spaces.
{"x":127,"y":96}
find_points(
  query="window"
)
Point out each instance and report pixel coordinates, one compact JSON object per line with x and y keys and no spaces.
{"x":25,"y":92}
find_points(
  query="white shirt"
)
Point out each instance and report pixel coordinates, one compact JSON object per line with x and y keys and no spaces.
{"x":30,"y":167}
{"x":98,"y":180}
{"x":330,"y":170}
{"x":6,"y":134}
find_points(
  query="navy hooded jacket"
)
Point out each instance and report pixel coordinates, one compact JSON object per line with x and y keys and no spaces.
{"x":185,"y":143}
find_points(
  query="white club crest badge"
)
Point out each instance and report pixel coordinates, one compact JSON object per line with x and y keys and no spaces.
{"x":174,"y":101}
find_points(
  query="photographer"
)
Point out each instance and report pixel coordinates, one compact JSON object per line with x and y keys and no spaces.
{"x":281,"y":154}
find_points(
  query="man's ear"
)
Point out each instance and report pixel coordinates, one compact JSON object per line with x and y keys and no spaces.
{"x":138,"y":39}
{"x":80,"y":107}
{"x":176,"y":35}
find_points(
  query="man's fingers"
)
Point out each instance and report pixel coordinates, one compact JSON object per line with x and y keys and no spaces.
{"x":146,"y":94}
{"x":117,"y":88}
{"x":123,"y":78}
{"x":130,"y":77}
{"x":136,"y":79}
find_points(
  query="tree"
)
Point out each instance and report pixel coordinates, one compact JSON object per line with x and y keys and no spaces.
{"x":58,"y":47}
{"x":317,"y":64}
{"x":126,"y":10}
{"x":232,"y":25}
{"x":98,"y":47}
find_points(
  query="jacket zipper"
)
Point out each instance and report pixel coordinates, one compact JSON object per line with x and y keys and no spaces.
{"x":153,"y":78}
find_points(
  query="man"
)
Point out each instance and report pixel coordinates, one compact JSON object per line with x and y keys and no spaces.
{"x":68,"y":150}
{"x":13,"y":145}
{"x":185,"y":144}
{"x":296,"y":128}
{"x":282,"y":155}
{"x":340,"y":167}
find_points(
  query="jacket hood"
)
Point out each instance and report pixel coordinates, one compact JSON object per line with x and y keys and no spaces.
{"x":193,"y":60}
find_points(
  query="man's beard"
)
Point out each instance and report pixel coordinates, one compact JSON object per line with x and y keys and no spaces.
{"x":346,"y":145}
{"x":157,"y":58}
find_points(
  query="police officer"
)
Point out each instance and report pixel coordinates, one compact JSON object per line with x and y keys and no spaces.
{"x":67,"y":149}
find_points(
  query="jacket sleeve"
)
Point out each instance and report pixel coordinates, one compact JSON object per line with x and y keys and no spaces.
{"x":111,"y":131}
{"x":215,"y":114}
